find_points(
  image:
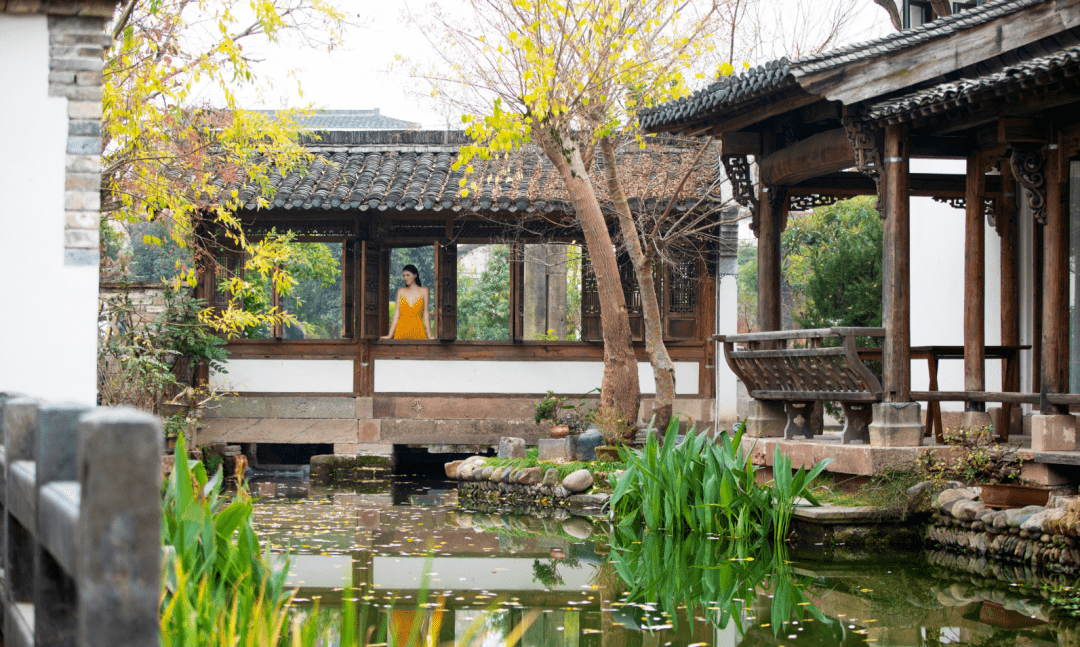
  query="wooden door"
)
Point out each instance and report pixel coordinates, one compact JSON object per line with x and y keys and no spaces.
{"x":445,"y":291}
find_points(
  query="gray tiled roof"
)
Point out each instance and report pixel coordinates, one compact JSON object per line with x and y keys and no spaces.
{"x":412,"y":171}
{"x":1065,"y":62}
{"x":350,"y":120}
{"x":777,"y":75}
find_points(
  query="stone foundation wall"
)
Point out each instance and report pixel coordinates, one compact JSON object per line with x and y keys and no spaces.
{"x":352,"y":424}
{"x":1040,"y":536}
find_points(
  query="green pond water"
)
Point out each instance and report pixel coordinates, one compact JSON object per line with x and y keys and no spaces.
{"x":412,"y":564}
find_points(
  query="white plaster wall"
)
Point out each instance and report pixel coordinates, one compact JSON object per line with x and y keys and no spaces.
{"x":512,"y":377}
{"x":286,"y":376}
{"x":727,"y":323}
{"x":937,"y":286}
{"x":48,"y":331}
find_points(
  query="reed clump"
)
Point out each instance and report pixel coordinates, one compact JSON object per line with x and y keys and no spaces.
{"x":708,"y":484}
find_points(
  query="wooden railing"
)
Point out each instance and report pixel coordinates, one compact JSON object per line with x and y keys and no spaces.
{"x":79,"y":496}
{"x":800,"y":376}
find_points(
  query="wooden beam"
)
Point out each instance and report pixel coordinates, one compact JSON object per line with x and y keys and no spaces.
{"x":765,"y":108}
{"x":819,"y":154}
{"x":896,"y":279}
{"x":974,"y":283}
{"x":923,"y":146}
{"x":1055,"y":350}
{"x":740,"y":143}
{"x":920,"y":185}
{"x":1022,"y":129}
{"x":906,"y":67}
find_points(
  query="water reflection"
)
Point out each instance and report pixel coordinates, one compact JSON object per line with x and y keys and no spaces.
{"x":407,"y":565}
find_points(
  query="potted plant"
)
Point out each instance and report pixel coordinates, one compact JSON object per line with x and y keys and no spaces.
{"x":981,"y":460}
{"x":566,"y":418}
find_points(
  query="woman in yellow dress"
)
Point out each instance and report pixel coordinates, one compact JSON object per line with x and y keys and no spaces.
{"x":411,"y":317}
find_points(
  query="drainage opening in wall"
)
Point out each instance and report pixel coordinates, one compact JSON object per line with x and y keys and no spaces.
{"x":269,"y":455}
{"x":421,"y":461}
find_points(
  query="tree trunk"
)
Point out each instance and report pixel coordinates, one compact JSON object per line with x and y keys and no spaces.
{"x":663,"y":367}
{"x":620,"y":389}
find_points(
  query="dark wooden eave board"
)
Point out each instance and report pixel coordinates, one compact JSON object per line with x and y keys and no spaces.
{"x":934,"y":185}
{"x":748,"y":114}
{"x":960,"y":118}
{"x":890,"y":72}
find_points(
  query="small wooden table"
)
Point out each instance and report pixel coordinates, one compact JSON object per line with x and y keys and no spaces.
{"x":1010,"y":378}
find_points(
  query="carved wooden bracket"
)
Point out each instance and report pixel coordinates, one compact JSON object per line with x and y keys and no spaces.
{"x":990,"y":212}
{"x":808,"y":202}
{"x":955,"y":203}
{"x":1029,"y":169}
{"x":737,"y":168}
{"x":866,"y":143}
{"x":778,"y":196}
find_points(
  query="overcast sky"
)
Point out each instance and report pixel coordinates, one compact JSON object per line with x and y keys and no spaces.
{"x":359,"y":76}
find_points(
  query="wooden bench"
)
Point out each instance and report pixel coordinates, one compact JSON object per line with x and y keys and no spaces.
{"x":807,"y":373}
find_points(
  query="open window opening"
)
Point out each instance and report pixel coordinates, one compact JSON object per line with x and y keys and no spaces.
{"x":320,"y":298}
{"x":423,"y":258}
{"x":551,"y":292}
{"x":483,"y":292}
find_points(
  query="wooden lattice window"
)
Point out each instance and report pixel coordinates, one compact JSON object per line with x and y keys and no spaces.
{"x":682,"y":299}
{"x":590,"y":302}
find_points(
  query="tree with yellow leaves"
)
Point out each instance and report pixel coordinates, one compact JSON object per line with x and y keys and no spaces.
{"x":171,"y":156}
{"x":569,"y":76}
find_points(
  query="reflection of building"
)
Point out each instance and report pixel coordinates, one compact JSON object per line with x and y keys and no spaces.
{"x":50,"y":131}
{"x":375,"y":191}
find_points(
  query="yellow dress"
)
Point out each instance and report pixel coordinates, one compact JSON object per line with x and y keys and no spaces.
{"x":410,"y":323}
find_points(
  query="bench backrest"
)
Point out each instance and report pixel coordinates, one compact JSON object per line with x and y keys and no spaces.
{"x":771,"y":371}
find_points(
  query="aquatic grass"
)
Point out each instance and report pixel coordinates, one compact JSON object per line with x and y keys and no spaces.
{"x":707,"y":484}
{"x":218,"y":587}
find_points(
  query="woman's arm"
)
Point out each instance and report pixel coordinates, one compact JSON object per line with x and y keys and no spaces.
{"x":427,"y":315}
{"x":397,"y":309}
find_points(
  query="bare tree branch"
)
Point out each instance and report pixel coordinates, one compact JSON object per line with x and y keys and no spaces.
{"x":894,"y":14}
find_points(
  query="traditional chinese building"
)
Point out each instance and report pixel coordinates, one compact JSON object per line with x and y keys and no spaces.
{"x":977,"y":109}
{"x":368,"y":193}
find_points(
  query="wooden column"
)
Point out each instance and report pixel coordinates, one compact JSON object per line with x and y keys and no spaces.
{"x":974,"y":283}
{"x":517,"y":291}
{"x":896,"y":263}
{"x":1008,"y":226}
{"x":384,"y":292}
{"x":1037,"y":256}
{"x":445,"y":292}
{"x":1055,"y":327}
{"x":771,"y":213}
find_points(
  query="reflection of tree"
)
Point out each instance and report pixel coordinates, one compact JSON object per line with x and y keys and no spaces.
{"x":548,"y":573}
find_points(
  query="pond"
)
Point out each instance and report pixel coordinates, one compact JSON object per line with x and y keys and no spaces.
{"x":408,"y":562}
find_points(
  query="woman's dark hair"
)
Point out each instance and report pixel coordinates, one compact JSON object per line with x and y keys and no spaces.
{"x":412,"y":268}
